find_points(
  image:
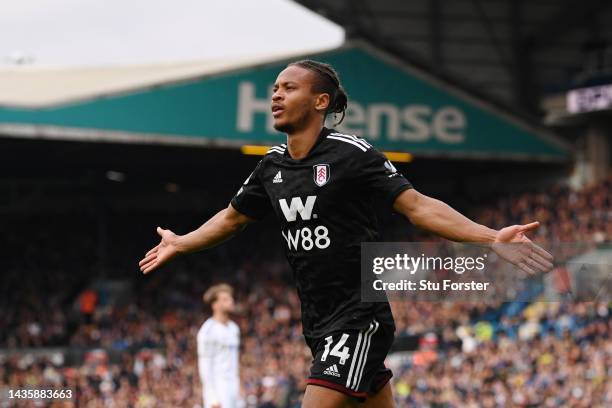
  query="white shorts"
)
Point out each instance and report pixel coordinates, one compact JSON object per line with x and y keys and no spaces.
{"x":228,"y":396}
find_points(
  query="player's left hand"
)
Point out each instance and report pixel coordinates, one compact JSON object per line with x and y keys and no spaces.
{"x":512,"y":244}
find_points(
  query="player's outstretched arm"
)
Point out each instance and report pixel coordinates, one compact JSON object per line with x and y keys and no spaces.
{"x":438,"y":217}
{"x":441,"y":219}
{"x":224,"y":225}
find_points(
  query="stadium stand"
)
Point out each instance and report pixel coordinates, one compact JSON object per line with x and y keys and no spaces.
{"x":120,"y":339}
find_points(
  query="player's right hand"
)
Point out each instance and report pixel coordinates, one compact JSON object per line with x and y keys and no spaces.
{"x":160,"y":254}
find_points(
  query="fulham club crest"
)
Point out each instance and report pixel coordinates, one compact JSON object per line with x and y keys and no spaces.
{"x":321,"y":174}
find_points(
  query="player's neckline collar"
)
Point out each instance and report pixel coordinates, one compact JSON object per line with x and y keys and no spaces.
{"x":322,"y":135}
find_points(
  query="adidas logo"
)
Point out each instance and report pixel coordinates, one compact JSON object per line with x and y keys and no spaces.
{"x":278,"y":178}
{"x":332,"y":370}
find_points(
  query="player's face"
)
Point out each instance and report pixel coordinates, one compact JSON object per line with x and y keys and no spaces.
{"x":225,"y":302}
{"x":294,"y":105}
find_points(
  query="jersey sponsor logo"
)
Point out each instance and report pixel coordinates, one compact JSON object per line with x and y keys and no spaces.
{"x":297,"y":206}
{"x":305,"y":238}
{"x":332,"y":370}
{"x":278,"y":178}
{"x":321,"y":174}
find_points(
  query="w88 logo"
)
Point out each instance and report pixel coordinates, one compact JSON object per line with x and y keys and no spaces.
{"x":307,"y":239}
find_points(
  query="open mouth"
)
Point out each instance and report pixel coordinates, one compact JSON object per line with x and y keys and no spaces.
{"x":277,"y":111}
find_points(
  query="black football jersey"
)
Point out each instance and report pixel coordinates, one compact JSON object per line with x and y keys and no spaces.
{"x":325,"y":204}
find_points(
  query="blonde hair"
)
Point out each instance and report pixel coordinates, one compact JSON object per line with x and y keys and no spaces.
{"x":211,"y":295}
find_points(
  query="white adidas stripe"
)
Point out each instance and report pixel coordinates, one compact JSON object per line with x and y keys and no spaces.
{"x":354,"y":138}
{"x":348,"y":140}
{"x":363,"y":142}
{"x":276,"y":149}
{"x":359,"y":361}
{"x":355,"y":353}
{"x":361,"y":355}
{"x":366,"y":355}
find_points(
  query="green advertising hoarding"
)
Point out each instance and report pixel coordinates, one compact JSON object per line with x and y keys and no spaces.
{"x":394,"y":106}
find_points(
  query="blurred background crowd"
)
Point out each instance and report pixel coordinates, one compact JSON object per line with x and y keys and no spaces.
{"x":132,"y":338}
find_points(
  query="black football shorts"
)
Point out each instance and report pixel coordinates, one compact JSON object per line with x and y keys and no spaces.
{"x":352,"y":361}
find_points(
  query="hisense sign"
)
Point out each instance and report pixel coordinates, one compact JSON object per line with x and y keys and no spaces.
{"x":395,"y":107}
{"x":374,"y":121}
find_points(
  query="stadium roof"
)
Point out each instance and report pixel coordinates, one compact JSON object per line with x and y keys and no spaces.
{"x":31,"y":87}
{"x":509,"y":52}
{"x":73,"y":33}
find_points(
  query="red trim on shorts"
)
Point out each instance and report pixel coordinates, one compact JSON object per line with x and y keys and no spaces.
{"x":336,"y":387}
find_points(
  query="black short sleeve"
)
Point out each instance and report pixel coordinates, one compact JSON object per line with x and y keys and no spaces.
{"x":252,"y":199}
{"x":380,"y":177}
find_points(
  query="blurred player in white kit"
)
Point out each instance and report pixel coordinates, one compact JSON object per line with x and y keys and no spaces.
{"x":218,"y":348}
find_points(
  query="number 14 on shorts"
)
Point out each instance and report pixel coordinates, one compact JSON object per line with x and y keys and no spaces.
{"x":338,"y":350}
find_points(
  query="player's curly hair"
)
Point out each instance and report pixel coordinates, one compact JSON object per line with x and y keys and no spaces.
{"x":327,"y":81}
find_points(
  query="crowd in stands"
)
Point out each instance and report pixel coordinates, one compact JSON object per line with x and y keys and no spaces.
{"x":138,"y":350}
{"x":551,"y":355}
